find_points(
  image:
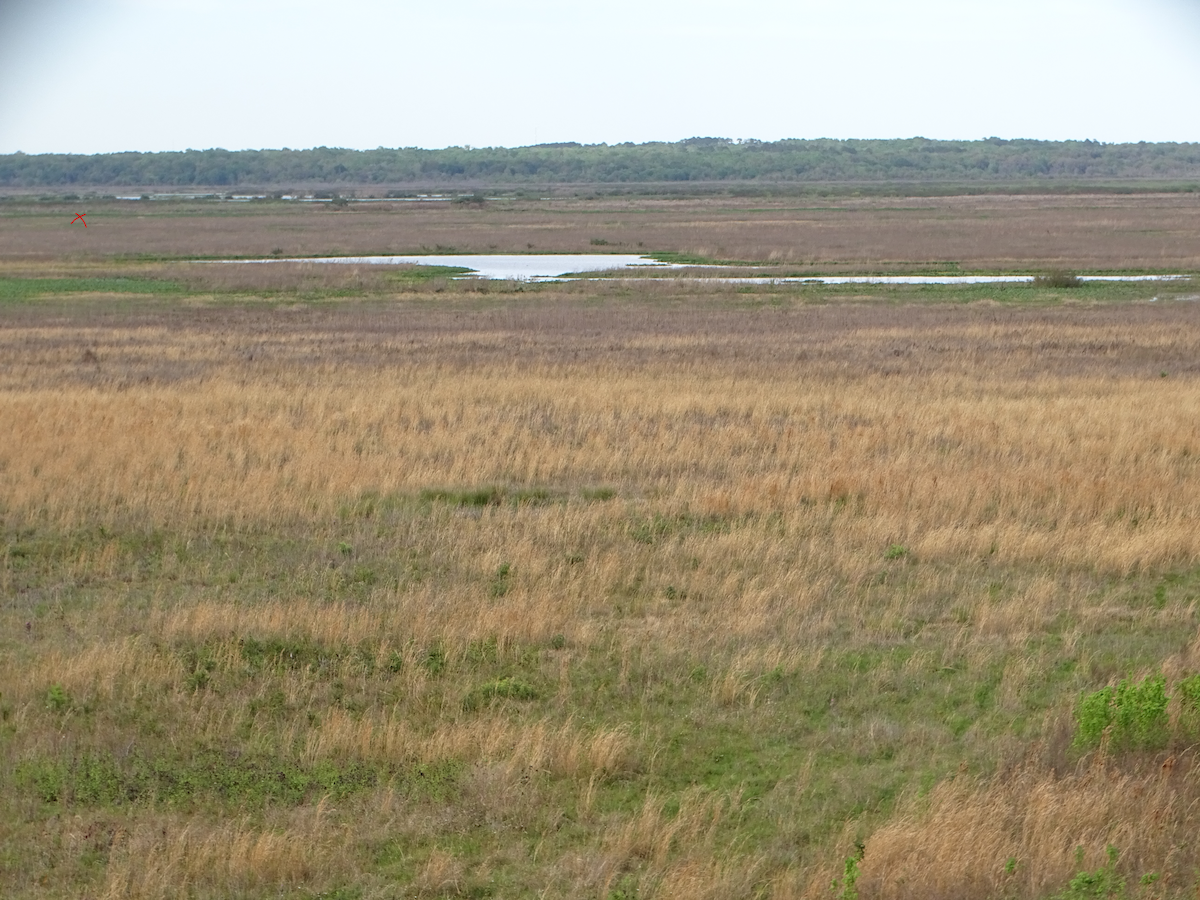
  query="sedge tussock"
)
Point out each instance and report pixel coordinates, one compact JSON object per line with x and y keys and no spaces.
{"x":743,"y":679}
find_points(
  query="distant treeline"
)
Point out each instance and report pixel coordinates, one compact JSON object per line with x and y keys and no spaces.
{"x":696,"y":159}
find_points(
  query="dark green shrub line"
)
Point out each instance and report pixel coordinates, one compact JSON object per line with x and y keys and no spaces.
{"x":371,"y":503}
{"x":599,"y":494}
{"x":993,"y":162}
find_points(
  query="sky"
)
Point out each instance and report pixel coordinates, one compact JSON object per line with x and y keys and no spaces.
{"x":94,"y":76}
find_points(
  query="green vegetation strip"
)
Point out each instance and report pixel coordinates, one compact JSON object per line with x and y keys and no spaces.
{"x":245,"y":780}
{"x":21,"y":289}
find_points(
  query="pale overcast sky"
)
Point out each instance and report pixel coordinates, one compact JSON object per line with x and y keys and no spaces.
{"x":87,"y":76}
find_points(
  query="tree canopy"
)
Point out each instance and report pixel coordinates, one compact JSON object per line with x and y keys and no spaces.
{"x":695,"y":159}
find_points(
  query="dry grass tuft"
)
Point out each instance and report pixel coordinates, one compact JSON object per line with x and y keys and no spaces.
{"x":163,"y":860}
{"x":669,"y":853}
{"x":130,"y":666}
{"x":524,"y":748}
{"x":705,"y":878}
{"x":1017,"y":836}
{"x":442,"y":875}
{"x":651,"y":834}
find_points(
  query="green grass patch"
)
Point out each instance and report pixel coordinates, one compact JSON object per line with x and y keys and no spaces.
{"x":18,"y":290}
{"x":497,"y":495}
{"x":598,"y":494}
{"x":657,"y":528}
{"x":507,"y":688}
{"x":478,"y":497}
{"x":230,"y":778}
{"x":691,"y":259}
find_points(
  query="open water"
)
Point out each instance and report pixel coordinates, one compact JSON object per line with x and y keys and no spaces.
{"x":542,"y":267}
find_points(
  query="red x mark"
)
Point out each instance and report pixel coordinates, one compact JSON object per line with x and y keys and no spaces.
{"x":80,"y":218}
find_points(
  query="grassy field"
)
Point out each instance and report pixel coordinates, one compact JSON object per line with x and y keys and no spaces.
{"x":1099,"y":232}
{"x":364,"y":584}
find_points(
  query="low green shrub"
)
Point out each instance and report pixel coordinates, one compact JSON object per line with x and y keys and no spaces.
{"x":1093,"y":715}
{"x":1188,"y":691}
{"x":846,"y":887}
{"x":1102,"y":884}
{"x":1057,"y":278}
{"x":57,"y":699}
{"x":1133,"y":715}
{"x":483,"y":652}
{"x":436,"y":661}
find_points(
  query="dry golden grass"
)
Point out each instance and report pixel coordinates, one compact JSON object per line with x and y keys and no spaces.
{"x":1097,"y":469}
{"x":165,"y":859}
{"x":519,"y":749}
{"x":962,"y":843}
{"x":441,"y":876}
{"x":674,"y":854}
{"x":1028,"y":829}
{"x":101,"y":670}
{"x":222,"y":489}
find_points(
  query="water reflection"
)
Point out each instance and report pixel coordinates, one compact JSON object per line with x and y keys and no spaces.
{"x":543,"y":267}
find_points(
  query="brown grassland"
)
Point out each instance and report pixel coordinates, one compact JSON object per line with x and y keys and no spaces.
{"x":363,"y":584}
{"x":1092,"y":232}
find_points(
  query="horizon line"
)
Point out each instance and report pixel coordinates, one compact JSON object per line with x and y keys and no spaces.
{"x":564,"y":145}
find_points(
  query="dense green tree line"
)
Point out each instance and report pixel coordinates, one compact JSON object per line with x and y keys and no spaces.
{"x":696,"y":159}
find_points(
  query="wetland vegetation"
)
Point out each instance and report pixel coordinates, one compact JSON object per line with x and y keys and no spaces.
{"x":326,"y":581}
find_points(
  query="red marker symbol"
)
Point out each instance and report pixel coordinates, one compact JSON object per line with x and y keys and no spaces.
{"x":80,"y":218}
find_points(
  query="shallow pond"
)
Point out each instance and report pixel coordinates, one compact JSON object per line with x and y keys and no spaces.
{"x":541,"y":267}
{"x":515,"y":266}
